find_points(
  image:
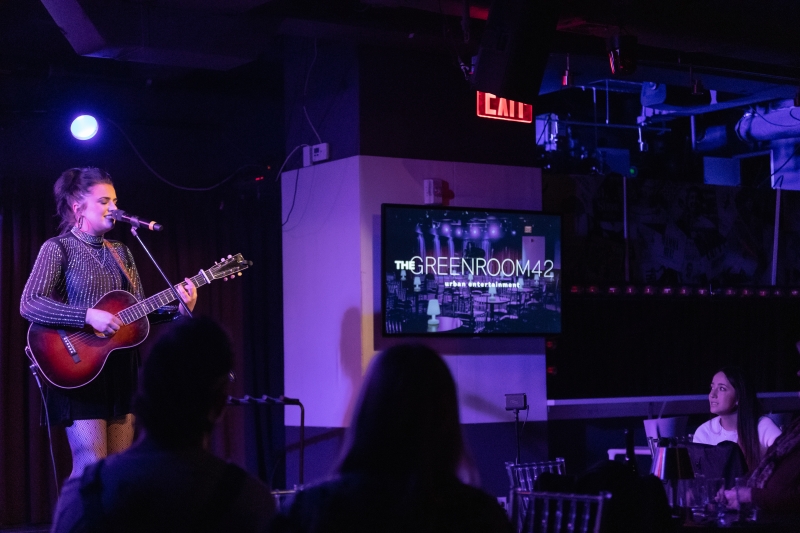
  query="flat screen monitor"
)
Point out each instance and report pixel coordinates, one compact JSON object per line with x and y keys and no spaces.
{"x":457,"y":271}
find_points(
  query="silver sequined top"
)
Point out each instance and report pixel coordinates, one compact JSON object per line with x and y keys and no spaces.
{"x":72,"y":272}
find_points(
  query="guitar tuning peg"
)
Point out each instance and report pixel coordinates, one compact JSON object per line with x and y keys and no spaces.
{"x":224,"y":279}
{"x":229,"y":256}
{"x":240,"y":274}
{"x":222,"y":259}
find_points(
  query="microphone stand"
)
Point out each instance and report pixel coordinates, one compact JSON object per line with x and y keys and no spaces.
{"x":283,"y":400}
{"x":516,"y":430}
{"x":153,"y":259}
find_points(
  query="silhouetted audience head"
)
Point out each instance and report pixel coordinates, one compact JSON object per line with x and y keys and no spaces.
{"x":637,"y":505}
{"x":406,"y":420}
{"x":184,"y":384}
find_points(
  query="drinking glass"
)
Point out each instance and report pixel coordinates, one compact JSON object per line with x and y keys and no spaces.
{"x":696,"y":496}
{"x":747,"y":512}
{"x":713,"y":491}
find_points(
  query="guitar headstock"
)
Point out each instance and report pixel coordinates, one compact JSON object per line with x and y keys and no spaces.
{"x":228,"y":267}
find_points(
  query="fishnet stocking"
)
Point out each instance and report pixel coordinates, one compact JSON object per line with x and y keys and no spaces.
{"x":92,"y":440}
{"x":119,"y":434}
{"x":87,"y":440}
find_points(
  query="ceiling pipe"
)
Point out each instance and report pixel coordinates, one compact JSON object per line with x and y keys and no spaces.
{"x":783,"y":123}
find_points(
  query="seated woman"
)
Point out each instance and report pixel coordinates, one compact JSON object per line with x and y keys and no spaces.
{"x":733,"y":399}
{"x":774,"y":485}
{"x":402,"y":458}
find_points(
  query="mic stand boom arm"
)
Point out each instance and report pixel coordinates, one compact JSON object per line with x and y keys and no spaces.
{"x":170,"y":285}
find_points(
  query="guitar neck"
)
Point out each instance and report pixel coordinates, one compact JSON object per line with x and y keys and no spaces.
{"x":148,"y":305}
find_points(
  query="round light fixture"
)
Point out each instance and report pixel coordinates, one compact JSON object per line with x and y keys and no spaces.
{"x":84,"y":127}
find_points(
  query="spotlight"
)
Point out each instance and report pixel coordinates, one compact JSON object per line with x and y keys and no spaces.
{"x":622,"y":54}
{"x":84,"y":127}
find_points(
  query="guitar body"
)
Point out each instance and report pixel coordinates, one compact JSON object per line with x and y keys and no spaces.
{"x":67,"y":371}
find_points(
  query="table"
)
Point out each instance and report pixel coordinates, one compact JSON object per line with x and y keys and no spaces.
{"x":446,"y":323}
{"x":492,"y":302}
{"x":419,"y":324}
{"x":766,"y":526}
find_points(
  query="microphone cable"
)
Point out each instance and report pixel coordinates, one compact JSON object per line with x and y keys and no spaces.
{"x":35,"y":372}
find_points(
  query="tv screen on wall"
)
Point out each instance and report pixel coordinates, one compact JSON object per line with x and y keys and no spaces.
{"x":457,"y":271}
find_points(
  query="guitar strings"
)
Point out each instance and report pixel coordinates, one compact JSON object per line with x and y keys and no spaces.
{"x":81,"y":333}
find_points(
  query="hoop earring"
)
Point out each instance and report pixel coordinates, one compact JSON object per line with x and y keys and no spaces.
{"x":79,"y":222}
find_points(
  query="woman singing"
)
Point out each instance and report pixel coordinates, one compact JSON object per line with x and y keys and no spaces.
{"x":71,"y":273}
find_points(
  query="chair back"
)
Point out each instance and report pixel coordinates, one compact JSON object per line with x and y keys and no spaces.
{"x":523,"y":475}
{"x":552,"y":512}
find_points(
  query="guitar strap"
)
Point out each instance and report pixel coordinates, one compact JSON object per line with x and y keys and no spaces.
{"x":118,"y":259}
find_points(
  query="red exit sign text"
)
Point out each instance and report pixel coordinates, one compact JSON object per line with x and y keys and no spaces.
{"x":491,"y":106}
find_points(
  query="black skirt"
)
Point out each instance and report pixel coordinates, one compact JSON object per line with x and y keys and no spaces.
{"x":108,"y":396}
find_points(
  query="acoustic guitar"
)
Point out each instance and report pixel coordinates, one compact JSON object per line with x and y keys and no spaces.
{"x":71,"y":357}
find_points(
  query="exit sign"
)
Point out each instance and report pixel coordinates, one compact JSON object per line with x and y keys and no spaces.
{"x":491,"y":106}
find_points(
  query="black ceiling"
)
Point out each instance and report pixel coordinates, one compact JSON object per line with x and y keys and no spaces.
{"x":755,"y":37}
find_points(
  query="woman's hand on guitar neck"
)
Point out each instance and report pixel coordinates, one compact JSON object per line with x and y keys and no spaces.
{"x":188,"y":293}
{"x":103,"y":321}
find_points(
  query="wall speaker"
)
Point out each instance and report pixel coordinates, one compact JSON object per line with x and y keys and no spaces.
{"x":515,"y":47}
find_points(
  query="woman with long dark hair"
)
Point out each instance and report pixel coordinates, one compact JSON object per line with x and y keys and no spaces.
{"x":71,"y":273}
{"x":404,"y":458}
{"x":733,"y":399}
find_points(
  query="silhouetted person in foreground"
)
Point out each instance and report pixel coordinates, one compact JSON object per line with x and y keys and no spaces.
{"x":168,"y":481}
{"x":402,"y":460}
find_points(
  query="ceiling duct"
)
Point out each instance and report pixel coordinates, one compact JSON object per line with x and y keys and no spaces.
{"x":672,"y":97}
{"x":783,"y":123}
{"x":153,"y":33}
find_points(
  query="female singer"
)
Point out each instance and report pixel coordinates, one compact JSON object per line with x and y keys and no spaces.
{"x":71,"y":273}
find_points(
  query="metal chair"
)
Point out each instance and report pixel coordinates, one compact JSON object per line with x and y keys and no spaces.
{"x":523,"y":475}
{"x":552,"y":512}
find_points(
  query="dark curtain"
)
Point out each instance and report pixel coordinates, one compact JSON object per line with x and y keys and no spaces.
{"x":664,"y":345}
{"x":241,"y":217}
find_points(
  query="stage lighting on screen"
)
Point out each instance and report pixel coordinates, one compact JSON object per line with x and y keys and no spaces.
{"x":84,"y":127}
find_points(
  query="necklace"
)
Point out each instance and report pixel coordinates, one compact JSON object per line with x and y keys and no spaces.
{"x":89,"y":240}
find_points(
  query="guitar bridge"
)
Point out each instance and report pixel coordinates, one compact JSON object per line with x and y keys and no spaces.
{"x":68,"y":344}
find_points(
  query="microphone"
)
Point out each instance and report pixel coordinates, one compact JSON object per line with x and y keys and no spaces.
{"x":121,"y":216}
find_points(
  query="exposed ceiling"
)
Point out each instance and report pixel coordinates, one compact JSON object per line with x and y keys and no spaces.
{"x":739,"y":35}
{"x":746,"y":51}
